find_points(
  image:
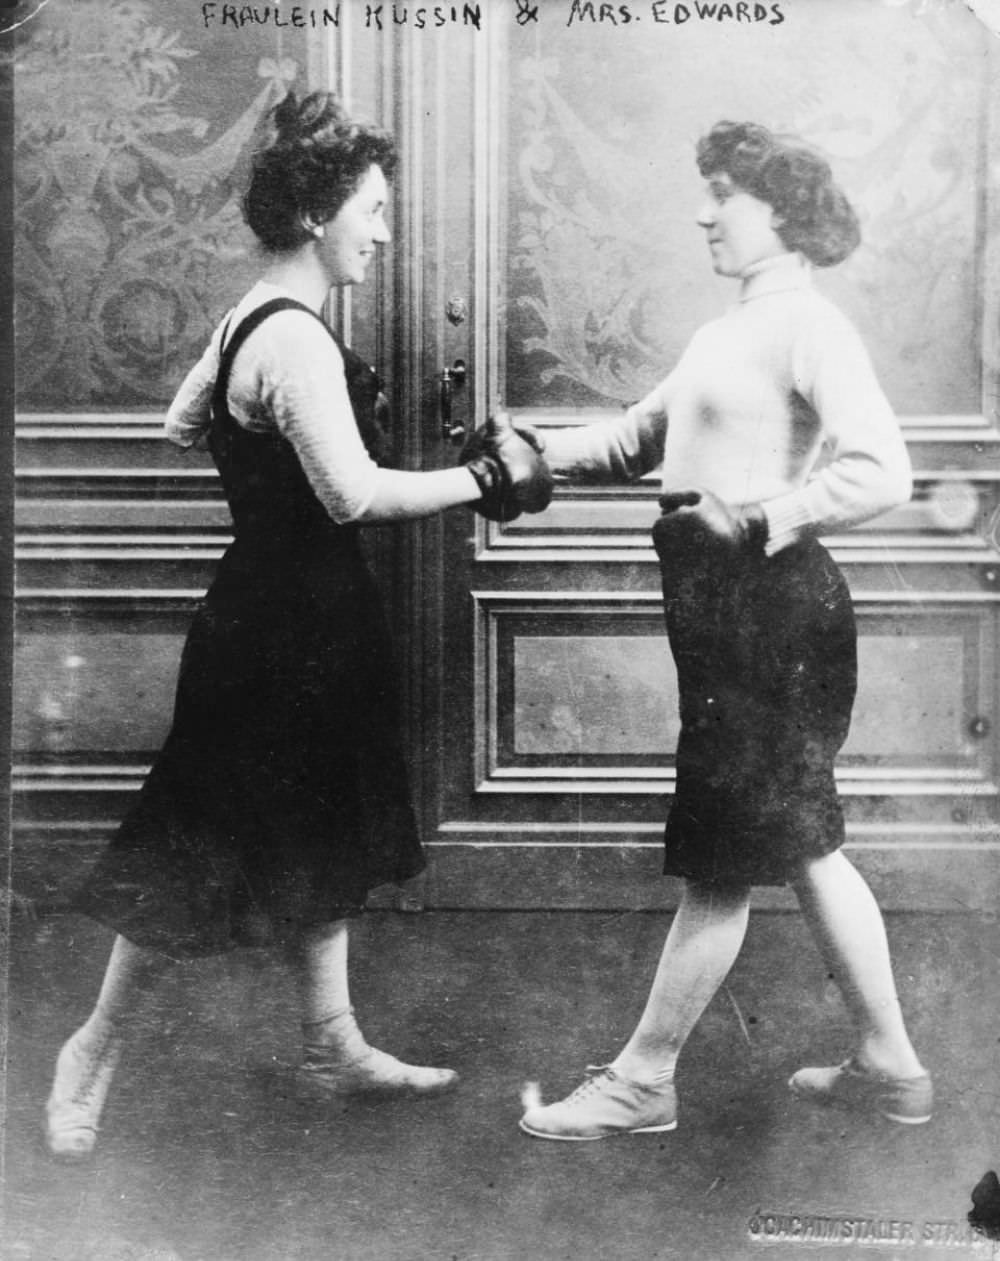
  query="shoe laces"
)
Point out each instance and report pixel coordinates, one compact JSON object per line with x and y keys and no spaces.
{"x":596,"y":1075}
{"x":84,"y":1094}
{"x":89,"y":1083}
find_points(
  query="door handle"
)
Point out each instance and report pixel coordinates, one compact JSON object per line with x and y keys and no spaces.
{"x":451,"y":379}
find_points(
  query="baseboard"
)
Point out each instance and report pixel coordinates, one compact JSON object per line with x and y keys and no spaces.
{"x":937,"y":875}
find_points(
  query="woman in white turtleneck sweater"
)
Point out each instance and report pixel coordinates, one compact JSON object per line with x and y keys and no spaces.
{"x":761,"y":628}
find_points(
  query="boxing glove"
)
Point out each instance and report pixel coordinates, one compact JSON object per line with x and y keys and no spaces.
{"x":508,"y":468}
{"x":702,"y":518}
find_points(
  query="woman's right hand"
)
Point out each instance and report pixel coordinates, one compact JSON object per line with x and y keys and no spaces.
{"x":509,"y":469}
{"x":700,"y":519}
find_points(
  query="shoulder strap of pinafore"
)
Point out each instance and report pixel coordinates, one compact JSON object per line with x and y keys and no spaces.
{"x":363,"y":386}
{"x":231,"y":344}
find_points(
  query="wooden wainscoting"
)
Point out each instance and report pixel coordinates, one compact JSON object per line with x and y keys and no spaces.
{"x":117,"y":537}
{"x":574,"y":693}
{"x":573,"y":721}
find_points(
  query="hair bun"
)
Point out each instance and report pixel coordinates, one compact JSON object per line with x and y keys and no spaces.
{"x":286,"y":117}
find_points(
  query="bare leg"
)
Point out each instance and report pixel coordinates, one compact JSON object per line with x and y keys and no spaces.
{"x":338,"y":1060}
{"x":701,"y":947}
{"x":87,"y":1062}
{"x":845,"y":920}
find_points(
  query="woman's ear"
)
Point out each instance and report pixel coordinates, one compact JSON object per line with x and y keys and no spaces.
{"x":314,"y":228}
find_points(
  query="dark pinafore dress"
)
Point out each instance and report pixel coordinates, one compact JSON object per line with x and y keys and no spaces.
{"x":280,"y":797}
{"x":766,"y":656}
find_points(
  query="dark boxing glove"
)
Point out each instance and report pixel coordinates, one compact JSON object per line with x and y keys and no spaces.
{"x":699,"y":519}
{"x":508,"y":468}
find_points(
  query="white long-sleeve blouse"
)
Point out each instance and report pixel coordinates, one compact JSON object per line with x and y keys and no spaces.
{"x":289,"y":377}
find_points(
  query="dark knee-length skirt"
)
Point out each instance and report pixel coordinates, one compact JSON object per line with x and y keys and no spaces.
{"x":280,"y":797}
{"x":766,"y":655}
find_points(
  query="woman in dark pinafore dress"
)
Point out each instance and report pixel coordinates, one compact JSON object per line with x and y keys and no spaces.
{"x":280,"y":799}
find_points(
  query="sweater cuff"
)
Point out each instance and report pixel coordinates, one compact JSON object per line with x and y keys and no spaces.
{"x":787,"y":519}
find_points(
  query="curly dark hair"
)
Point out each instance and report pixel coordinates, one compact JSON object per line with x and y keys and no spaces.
{"x":311,"y":158}
{"x":796,"y":180}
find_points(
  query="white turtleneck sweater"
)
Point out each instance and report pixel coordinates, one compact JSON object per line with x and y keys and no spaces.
{"x":747,"y":411}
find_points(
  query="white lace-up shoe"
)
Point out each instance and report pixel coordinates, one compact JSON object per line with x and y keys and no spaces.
{"x":603,"y":1105}
{"x":77,"y":1098}
{"x":908,"y":1100}
{"x":375,"y":1072}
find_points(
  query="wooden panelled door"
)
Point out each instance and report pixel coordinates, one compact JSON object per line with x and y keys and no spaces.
{"x":547,"y":244}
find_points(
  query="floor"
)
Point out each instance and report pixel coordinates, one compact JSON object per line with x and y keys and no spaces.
{"x":206,"y":1154}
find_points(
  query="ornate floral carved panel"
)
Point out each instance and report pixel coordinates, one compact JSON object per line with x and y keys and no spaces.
{"x":131,"y":131}
{"x":605,"y":267}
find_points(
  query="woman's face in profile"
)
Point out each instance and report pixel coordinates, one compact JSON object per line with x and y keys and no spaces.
{"x":740,"y":228}
{"x":352,"y":235}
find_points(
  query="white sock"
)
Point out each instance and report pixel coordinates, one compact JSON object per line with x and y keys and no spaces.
{"x":335,"y":1038}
